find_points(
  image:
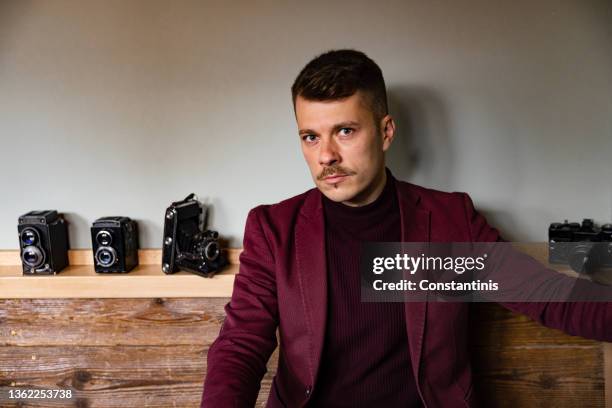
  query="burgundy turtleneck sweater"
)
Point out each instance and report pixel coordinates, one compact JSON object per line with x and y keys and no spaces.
{"x":365,"y":361}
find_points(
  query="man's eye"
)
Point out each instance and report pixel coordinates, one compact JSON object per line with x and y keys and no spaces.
{"x":346,"y":131}
{"x":309,"y":138}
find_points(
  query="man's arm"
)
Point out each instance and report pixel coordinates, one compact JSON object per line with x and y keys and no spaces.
{"x":237,"y":358}
{"x":591,"y":320}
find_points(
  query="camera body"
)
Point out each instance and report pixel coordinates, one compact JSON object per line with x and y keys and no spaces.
{"x":187,"y":244}
{"x":115,"y":244}
{"x":43,"y":242}
{"x":584,"y":247}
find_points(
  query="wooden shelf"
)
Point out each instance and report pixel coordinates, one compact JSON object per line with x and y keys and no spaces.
{"x":79,"y":280}
{"x":146,"y":281}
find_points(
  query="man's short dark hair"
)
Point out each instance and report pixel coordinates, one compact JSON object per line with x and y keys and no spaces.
{"x":338,"y":74}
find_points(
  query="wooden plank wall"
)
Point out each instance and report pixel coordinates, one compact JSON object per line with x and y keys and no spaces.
{"x":152,"y":353}
{"x":519,"y":363}
{"x":111,"y":352}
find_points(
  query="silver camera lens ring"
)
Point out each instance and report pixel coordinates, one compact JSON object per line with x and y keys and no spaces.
{"x":100,"y":238}
{"x":213,"y":247}
{"x":38,"y":254}
{"x":34,"y":234}
{"x":103,"y":251}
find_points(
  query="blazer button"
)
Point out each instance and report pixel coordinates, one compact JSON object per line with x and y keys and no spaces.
{"x":307,"y":391}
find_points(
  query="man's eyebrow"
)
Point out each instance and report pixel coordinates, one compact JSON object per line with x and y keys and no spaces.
{"x":309,"y":131}
{"x":336,"y":127}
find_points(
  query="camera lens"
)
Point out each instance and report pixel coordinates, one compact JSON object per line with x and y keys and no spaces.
{"x":104,"y":238}
{"x":211,"y":251}
{"x":32,"y":256}
{"x":106,"y":256}
{"x":29,"y":236}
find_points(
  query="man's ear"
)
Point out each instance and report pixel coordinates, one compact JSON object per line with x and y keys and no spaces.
{"x":388,"y":131}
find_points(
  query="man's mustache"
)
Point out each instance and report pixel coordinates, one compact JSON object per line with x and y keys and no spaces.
{"x":335,"y":170}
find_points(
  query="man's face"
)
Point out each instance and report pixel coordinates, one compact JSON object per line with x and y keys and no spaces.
{"x":341,"y":138}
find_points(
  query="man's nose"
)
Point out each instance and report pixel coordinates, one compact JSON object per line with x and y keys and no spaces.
{"x":328,"y":152}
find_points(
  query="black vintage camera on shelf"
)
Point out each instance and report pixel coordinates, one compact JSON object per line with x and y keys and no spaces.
{"x":115,"y":244}
{"x":585,"y":247}
{"x":43,"y":242}
{"x":187,"y":243}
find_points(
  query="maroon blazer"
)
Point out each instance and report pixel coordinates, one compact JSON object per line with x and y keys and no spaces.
{"x":282,"y":283}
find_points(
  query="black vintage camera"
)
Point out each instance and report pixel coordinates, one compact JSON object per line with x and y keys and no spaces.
{"x":187,"y":244}
{"x":115,"y":244}
{"x":43,"y":242}
{"x":584,"y":247}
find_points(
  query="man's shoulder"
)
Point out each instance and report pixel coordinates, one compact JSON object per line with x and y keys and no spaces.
{"x":286,"y":208}
{"x":431,"y":198}
{"x":451,"y":214}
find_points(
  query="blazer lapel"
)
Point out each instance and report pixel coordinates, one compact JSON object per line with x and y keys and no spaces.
{"x":312,"y":272}
{"x":415,"y":225}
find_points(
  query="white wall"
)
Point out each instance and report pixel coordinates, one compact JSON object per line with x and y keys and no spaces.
{"x":120,"y":107}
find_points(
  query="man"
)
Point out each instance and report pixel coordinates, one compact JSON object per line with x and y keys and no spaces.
{"x":299,"y":270}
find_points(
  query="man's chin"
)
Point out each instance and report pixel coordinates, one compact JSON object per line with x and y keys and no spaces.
{"x":335,"y":193}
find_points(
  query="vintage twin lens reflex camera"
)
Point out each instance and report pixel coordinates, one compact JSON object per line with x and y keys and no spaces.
{"x":115,"y":244}
{"x":585,"y":247}
{"x":187,"y":243}
{"x":43,"y":242}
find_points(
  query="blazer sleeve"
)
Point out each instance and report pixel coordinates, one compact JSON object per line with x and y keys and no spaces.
{"x":237,"y":359}
{"x":591,"y":320}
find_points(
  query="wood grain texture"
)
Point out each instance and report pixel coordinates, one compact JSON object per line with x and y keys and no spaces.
{"x":519,"y":363}
{"x":607,"y":361}
{"x":539,"y":377}
{"x":493,"y":325}
{"x":152,"y":352}
{"x":117,"y":376}
{"x":110,"y":322}
{"x":112,"y":352}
